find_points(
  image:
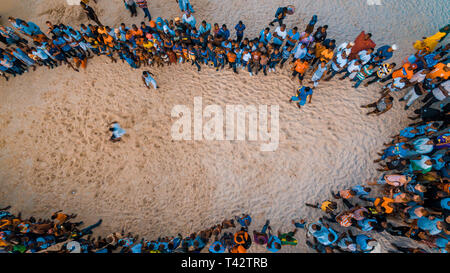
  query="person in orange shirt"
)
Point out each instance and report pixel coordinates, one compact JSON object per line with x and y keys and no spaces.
{"x":108,"y":40}
{"x":326,"y":55}
{"x":319,"y":47}
{"x":406,"y":71}
{"x":299,"y":69}
{"x":231,"y":56}
{"x":440,"y":70}
{"x":135,"y":31}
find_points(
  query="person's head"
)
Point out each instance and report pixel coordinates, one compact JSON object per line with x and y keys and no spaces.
{"x":283,"y":27}
{"x":277,"y":245}
{"x":390,"y":98}
{"x":324,"y":28}
{"x":266,"y":30}
{"x":82,"y":4}
{"x":224,"y":27}
{"x":368,"y":36}
{"x":370,"y":51}
{"x":295,"y":30}
{"x":392,"y":65}
{"x":204,"y":23}
{"x":315,"y":227}
{"x":302,"y":45}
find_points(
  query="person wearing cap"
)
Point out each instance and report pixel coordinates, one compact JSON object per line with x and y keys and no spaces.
{"x":189,"y":19}
{"x":386,"y":52}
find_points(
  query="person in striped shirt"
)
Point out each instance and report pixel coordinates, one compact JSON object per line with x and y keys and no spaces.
{"x":382,"y":72}
{"x":365,"y":72}
{"x":143,"y":5}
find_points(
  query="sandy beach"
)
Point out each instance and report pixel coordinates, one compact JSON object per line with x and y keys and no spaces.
{"x":55,"y":151}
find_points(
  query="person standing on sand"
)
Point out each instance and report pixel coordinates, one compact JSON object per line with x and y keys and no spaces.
{"x":321,"y":68}
{"x":310,"y":27}
{"x":299,"y":69}
{"x":185,"y":5}
{"x":361,"y":42}
{"x":148,"y":79}
{"x":90,"y":13}
{"x":131,"y":6}
{"x":383,"y":105}
{"x":143,"y":5}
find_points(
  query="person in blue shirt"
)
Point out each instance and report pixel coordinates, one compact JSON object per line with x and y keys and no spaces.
{"x":386,"y":52}
{"x":117,"y":132}
{"x":224,"y":32}
{"x":292,"y":37}
{"x":265,"y":36}
{"x":204,"y":29}
{"x":280,"y":15}
{"x":285,"y":54}
{"x":240,"y":27}
{"x":185,"y":5}
{"x":148,"y":79}
{"x":274,"y":243}
{"x":303,"y":93}
{"x":217,"y":247}
{"x":274,"y":59}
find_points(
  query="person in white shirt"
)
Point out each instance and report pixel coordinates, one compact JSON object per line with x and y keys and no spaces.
{"x":188,"y":18}
{"x":365,"y":55}
{"x":279,"y":35}
{"x":353,"y":67}
{"x":338,"y":64}
{"x":246,"y":57}
{"x":416,"y":91}
{"x":345,"y":47}
{"x":440,"y":93}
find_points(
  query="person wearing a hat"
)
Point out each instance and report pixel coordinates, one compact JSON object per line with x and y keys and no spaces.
{"x":386,"y":52}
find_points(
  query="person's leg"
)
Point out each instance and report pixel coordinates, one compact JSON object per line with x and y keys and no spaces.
{"x":375,"y":79}
{"x":333,"y":73}
{"x":197,"y":64}
{"x":345,"y":75}
{"x":387,"y":78}
{"x":358,"y":82}
{"x":89,"y":229}
{"x":147,"y":14}
{"x":347,"y":203}
{"x":266,"y":225}
{"x":427,"y":97}
{"x":430,"y":102}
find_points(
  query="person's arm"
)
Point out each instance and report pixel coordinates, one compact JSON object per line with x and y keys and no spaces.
{"x":310,"y":97}
{"x":443,"y":90}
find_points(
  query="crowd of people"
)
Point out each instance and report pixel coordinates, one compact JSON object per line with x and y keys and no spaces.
{"x":411,"y":196}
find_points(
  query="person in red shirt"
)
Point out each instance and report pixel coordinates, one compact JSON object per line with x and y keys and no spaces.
{"x":362,"y":42}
